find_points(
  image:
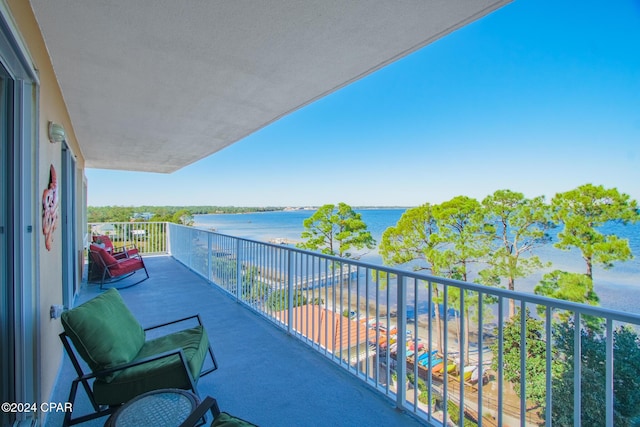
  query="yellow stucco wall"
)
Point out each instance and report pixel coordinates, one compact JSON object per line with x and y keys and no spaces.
{"x":49,"y":269}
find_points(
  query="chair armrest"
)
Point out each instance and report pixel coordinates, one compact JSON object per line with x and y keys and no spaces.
{"x":208,"y":403}
{"x":168,"y":353}
{"x":125,"y":247}
{"x":176,"y":321}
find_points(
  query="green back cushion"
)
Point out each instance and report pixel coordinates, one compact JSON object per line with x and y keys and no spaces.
{"x":166,"y":372}
{"x":104,"y":331}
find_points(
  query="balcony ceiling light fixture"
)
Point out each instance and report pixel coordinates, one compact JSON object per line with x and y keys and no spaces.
{"x":56,"y":132}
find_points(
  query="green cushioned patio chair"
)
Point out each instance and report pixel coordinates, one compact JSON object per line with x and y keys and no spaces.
{"x":123,"y":363}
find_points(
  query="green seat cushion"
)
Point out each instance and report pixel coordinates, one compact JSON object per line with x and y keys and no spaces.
{"x":167,"y":372}
{"x":104,"y":332}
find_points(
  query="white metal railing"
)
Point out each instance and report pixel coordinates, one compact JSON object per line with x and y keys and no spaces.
{"x":367,"y":318}
{"x":148,"y":237}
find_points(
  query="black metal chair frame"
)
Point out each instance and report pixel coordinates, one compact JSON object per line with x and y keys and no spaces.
{"x":84,"y":378}
{"x":197,"y":416}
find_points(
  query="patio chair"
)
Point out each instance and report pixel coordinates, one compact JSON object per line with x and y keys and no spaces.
{"x":118,"y":252}
{"x":110,"y":269}
{"x":220,"y":419}
{"x":123,"y":363}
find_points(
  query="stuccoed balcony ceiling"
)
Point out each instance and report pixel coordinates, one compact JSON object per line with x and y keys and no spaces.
{"x":170,"y":83}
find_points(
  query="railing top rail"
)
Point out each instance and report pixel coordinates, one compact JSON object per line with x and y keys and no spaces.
{"x":614,"y":315}
{"x":127,"y":222}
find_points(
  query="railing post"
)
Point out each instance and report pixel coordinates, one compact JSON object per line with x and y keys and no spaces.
{"x":609,"y":374}
{"x":500,"y":359}
{"x":461,"y":348}
{"x":523,"y":363}
{"x":549,"y":355}
{"x":238,"y":269}
{"x":290,"y":291}
{"x":167,"y":237}
{"x":577,"y":371}
{"x":190,"y":259}
{"x":210,"y":257}
{"x":480,"y":356}
{"x":401,"y":347}
{"x":125,"y":234}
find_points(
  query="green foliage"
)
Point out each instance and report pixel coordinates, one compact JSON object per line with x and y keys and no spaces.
{"x":626,"y":388}
{"x":518,"y":226}
{"x":585,"y":209}
{"x":576,"y":287}
{"x":446,"y":239}
{"x":110,"y":214}
{"x":164,"y":213}
{"x":253,"y":289}
{"x":224,"y":272}
{"x":461,"y":228}
{"x":183,"y":216}
{"x":336,"y":231}
{"x":462,"y":234}
{"x":411,"y":239}
{"x":535,"y":347}
{"x":279,"y":300}
{"x":454,"y":413}
{"x":422,"y":386}
{"x":423,"y":397}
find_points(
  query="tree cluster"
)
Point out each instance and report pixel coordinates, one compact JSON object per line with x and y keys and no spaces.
{"x":626,"y":384}
{"x":499,"y":236}
{"x":336,"y":230}
{"x":163,"y":213}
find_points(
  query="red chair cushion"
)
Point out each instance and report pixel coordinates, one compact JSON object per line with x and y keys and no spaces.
{"x":105,"y":240}
{"x":106,"y":256}
{"x":126,"y":266}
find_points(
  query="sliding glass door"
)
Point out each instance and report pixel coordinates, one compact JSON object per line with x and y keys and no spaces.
{"x":68,"y":220}
{"x":19,"y":319}
{"x":6,"y":306}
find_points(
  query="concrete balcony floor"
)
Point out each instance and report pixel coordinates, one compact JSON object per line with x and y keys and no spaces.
{"x":264,"y":375}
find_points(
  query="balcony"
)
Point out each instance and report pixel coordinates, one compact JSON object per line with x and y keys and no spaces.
{"x":334,"y":357}
{"x":265,"y":375}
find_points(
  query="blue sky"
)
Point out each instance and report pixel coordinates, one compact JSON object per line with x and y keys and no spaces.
{"x":538,"y":97}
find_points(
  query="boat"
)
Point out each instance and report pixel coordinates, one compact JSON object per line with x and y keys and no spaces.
{"x":430,"y":362}
{"x":411,"y":345}
{"x":468,"y":372}
{"x":437,"y":367}
{"x":425,"y":355}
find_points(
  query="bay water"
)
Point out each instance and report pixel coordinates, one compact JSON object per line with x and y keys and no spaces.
{"x":618,"y":287}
